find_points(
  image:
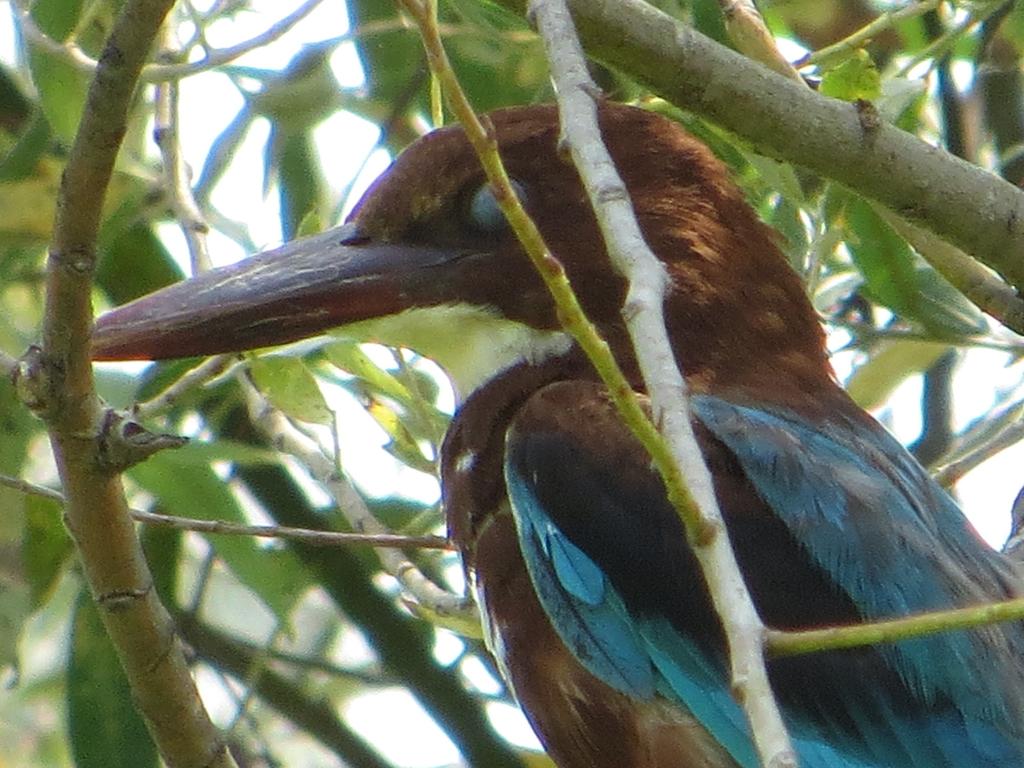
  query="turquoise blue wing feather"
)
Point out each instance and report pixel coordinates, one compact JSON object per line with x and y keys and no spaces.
{"x":610,"y":565}
{"x":870,"y":516}
{"x":638,"y":658}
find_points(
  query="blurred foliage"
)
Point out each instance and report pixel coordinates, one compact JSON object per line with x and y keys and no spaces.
{"x":291,"y":640}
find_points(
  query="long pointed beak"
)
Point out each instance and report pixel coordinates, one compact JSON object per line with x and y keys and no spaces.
{"x":290,"y":293}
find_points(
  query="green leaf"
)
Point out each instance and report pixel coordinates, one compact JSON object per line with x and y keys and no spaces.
{"x":57,"y":18}
{"x":61,"y":87}
{"x":23,"y":158}
{"x":311,"y":224}
{"x":895,"y":277}
{"x":201,"y":454}
{"x":854,"y":79}
{"x":133,"y":260}
{"x":15,"y":106}
{"x":785,"y":217}
{"x":27,"y":205}
{"x":104,"y":728}
{"x":943,"y":310}
{"x":17,"y":426}
{"x":187,"y":489}
{"x":896,"y":361}
{"x":883,"y":258}
{"x":403,"y":444}
{"x":405,"y":515}
{"x":162,"y":547}
{"x":494,"y":69}
{"x":292,"y":156}
{"x":288,"y":384}
{"x":349,"y":356}
{"x":395,"y":71}
{"x":60,"y":83}
{"x":301,"y":95}
{"x":779,"y":177}
{"x":901,"y":100}
{"x":15,"y":607}
{"x":707,"y":18}
{"x":45,"y":546}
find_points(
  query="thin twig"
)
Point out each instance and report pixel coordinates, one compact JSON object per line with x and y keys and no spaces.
{"x":752,"y":38}
{"x":219,"y":57}
{"x":305,"y":535}
{"x":160,"y":72}
{"x":861,"y":332}
{"x":831,"y":54}
{"x":203,"y":373}
{"x":834,"y":638}
{"x":35,"y":36}
{"x":154,"y":73}
{"x":176,"y":172}
{"x":285,"y":437}
{"x":779,"y":643}
{"x":571,"y":313}
{"x":1007,"y":437}
{"x":939,"y":47}
{"x":688,"y":479}
{"x":31,"y":489}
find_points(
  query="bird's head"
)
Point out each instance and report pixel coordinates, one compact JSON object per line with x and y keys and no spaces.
{"x":427,"y":254}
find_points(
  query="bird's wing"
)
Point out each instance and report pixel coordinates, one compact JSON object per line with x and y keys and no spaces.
{"x":609,"y":562}
{"x":553,"y":481}
{"x":895,"y":543}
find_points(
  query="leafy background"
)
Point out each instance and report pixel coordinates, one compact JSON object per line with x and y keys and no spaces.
{"x":314,"y":656}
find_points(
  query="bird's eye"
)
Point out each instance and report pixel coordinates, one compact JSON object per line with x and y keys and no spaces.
{"x":483,"y":212}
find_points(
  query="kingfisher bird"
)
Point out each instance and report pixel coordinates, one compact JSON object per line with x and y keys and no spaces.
{"x":593,"y":603}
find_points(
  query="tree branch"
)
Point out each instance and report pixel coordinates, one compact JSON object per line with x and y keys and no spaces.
{"x":286,"y":438}
{"x":688,"y":480}
{"x":835,"y":638}
{"x":154,"y":73}
{"x":311,"y":536}
{"x":963,"y":203}
{"x":61,"y":379}
{"x":175,"y":170}
{"x":836,"y":52}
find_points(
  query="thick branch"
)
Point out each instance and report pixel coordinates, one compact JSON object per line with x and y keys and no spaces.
{"x":97,"y":515}
{"x":967,"y":205}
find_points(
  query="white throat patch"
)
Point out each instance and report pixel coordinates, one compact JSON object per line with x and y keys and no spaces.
{"x":471,"y":344}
